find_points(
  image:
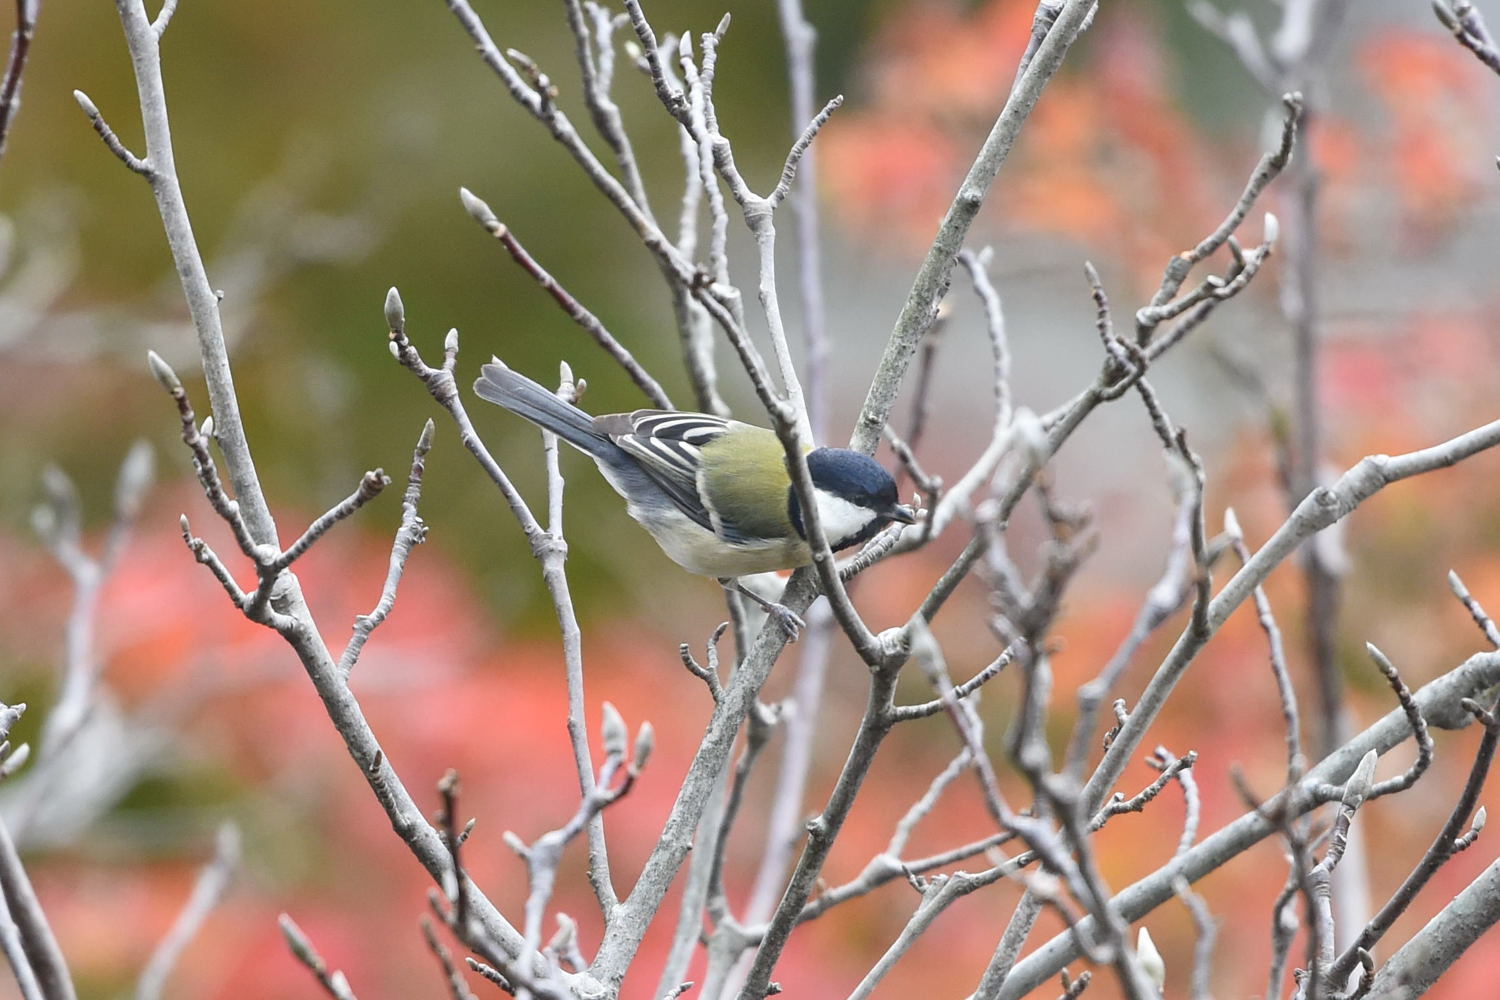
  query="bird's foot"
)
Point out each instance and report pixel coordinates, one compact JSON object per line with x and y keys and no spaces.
{"x":790,"y":623}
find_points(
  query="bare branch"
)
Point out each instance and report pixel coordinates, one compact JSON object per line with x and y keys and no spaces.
{"x":369,"y":488}
{"x":447,"y":821}
{"x":1296,"y":762}
{"x":205,"y":555}
{"x":1440,"y":704}
{"x":931,"y":282}
{"x":164,"y":17}
{"x":939,"y":894}
{"x":1481,"y":617}
{"x":33,"y":935}
{"x":212,"y":882}
{"x":761,"y":724}
{"x":490,"y":973}
{"x":708,"y":674}
{"x":1356,"y":792}
{"x":799,"y":150}
{"x":1434,"y":948}
{"x":20,"y":48}
{"x":457,"y":988}
{"x":1203,"y":920}
{"x":412,"y":533}
{"x":96,"y":119}
{"x":800,"y":39}
{"x":1418,"y":726}
{"x":1444,"y":846}
{"x":1238,"y":32}
{"x":1468,"y":27}
{"x":597,"y":76}
{"x":570,"y":305}
{"x":333,"y":983}
{"x":543,"y":855}
{"x":487,"y":932}
{"x":1320,"y":509}
{"x":203,"y":462}
{"x":921,"y":710}
{"x":1271,"y":164}
{"x":1164,"y":599}
{"x":824,"y":829}
{"x":1169,"y":766}
{"x":443,"y":387}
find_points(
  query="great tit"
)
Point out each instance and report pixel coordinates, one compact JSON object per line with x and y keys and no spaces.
{"x":714,"y":493}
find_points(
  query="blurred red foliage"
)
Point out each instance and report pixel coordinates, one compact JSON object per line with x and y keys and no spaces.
{"x":443,"y":689}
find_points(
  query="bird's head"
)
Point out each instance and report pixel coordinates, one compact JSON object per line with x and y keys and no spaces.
{"x":856,"y":497}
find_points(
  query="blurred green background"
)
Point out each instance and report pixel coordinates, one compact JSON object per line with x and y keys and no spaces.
{"x":321,"y":147}
{"x":341,"y":132}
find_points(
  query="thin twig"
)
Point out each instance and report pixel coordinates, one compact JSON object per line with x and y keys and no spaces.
{"x":1408,"y":777}
{"x":544,"y":855}
{"x":1468,"y":27}
{"x":458,"y":989}
{"x":412,"y":533}
{"x":447,"y":822}
{"x":333,"y":983}
{"x":931,"y":281}
{"x":1481,"y":617}
{"x":1271,"y":164}
{"x":959,"y":692}
{"x":1321,"y":509}
{"x":1356,"y":792}
{"x":96,"y":119}
{"x":20,"y":48}
{"x":575,"y":310}
{"x":1439,"y":702}
{"x":212,"y":882}
{"x":369,"y":488}
{"x":33,"y":933}
{"x":164,"y":17}
{"x":488,"y":933}
{"x":1444,"y":846}
{"x":799,"y":150}
{"x":1296,"y":762}
{"x":761,"y":724}
{"x":490,"y":973}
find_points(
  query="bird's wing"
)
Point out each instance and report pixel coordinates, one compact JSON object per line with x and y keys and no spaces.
{"x":668,"y":447}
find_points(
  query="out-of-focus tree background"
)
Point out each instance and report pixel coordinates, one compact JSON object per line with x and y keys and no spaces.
{"x":321,"y":146}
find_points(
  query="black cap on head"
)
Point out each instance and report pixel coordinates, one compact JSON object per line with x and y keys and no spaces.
{"x":861,"y":481}
{"x":852,"y":475}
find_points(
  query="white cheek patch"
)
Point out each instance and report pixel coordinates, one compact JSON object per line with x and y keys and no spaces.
{"x":841,"y":519}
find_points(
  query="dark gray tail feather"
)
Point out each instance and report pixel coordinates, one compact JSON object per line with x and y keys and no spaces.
{"x":530,"y":400}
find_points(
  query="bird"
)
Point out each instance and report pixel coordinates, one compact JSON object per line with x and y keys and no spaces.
{"x":714,"y":493}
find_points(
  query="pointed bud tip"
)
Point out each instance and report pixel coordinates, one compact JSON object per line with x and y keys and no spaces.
{"x":1150,"y":959}
{"x":1363,"y":778}
{"x":645,"y":743}
{"x":163,"y":372}
{"x":395,"y":310}
{"x":613,"y":731}
{"x":477,"y":209}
